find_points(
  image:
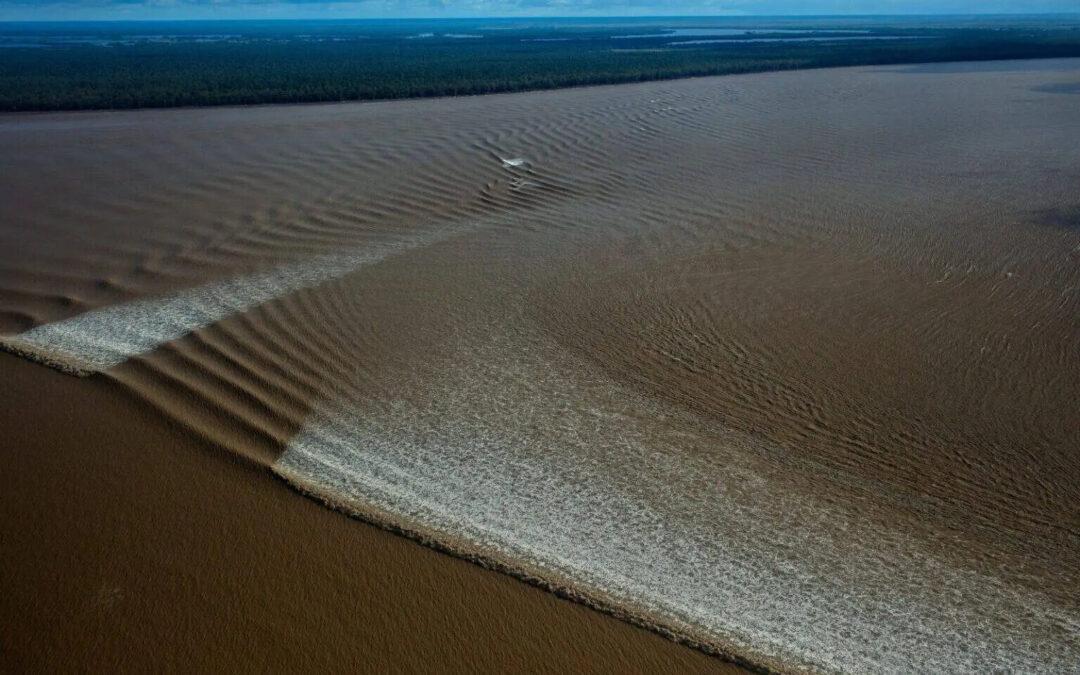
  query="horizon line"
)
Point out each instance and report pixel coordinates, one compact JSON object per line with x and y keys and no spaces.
{"x":564,"y":17}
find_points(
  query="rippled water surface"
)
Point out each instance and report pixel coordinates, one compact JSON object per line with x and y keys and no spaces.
{"x":784,"y":364}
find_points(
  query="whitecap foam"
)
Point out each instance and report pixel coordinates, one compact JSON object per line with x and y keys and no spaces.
{"x":103,"y":338}
{"x":512,"y":456}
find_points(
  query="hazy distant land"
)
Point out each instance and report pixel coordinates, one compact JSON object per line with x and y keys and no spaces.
{"x":67,"y":66}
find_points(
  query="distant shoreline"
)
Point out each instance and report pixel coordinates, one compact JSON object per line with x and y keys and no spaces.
{"x":133,"y":65}
{"x":9,"y":114}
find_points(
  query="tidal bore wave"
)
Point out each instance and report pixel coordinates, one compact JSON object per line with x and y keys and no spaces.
{"x":783,"y":366}
{"x":612,"y":499}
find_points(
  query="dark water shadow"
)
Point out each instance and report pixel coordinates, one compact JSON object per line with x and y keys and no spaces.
{"x":1067,"y":218}
{"x":1059,"y":88}
{"x":1055,"y":65}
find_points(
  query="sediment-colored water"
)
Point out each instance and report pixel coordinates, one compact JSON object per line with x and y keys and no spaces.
{"x":783,"y":365}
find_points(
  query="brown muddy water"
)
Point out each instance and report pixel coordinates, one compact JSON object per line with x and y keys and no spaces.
{"x":782,"y":365}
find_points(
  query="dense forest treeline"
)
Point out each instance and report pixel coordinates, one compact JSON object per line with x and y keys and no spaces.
{"x":50,"y":67}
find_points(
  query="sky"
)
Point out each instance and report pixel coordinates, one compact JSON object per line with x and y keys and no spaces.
{"x":52,"y":10}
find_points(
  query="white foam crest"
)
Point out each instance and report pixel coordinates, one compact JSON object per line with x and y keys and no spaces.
{"x":103,"y":338}
{"x":577,"y":480}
